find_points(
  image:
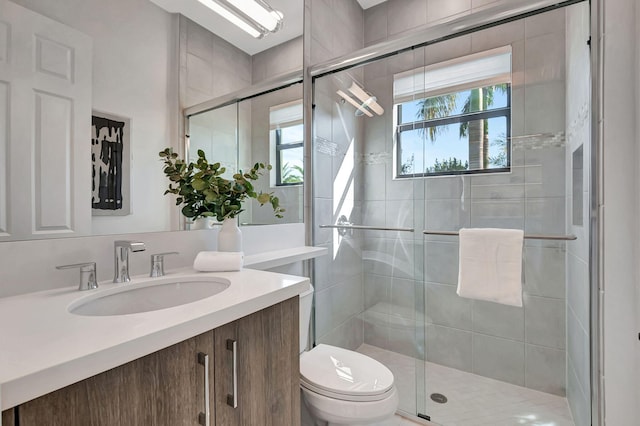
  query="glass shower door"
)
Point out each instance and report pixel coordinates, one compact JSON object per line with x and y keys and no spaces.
{"x":369,"y":292}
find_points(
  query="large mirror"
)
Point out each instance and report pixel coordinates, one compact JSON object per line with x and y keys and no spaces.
{"x":144,"y":63}
{"x":265,"y":128}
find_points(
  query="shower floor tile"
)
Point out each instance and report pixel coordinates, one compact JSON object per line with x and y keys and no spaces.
{"x":397,"y":421}
{"x":472,"y":400}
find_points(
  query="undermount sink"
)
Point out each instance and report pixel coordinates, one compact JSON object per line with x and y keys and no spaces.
{"x":134,"y":298}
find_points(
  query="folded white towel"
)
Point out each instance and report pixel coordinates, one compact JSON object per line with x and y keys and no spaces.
{"x":218,"y":261}
{"x":491,"y":265}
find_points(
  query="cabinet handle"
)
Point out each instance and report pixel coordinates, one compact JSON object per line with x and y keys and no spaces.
{"x":232,"y":399}
{"x":205,"y":418}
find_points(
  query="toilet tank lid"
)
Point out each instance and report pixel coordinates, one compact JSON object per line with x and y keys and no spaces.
{"x":345,"y":372}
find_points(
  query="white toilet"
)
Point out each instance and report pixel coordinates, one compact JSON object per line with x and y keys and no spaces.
{"x":342,"y":387}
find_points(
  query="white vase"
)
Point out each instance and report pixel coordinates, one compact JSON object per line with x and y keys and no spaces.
{"x":201,"y":223}
{"x":230,"y":237}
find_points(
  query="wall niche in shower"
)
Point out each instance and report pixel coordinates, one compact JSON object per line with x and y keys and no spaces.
{"x":577,"y":187}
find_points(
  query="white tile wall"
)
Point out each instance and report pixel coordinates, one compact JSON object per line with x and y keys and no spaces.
{"x":488,"y":349}
{"x":281,"y":59}
{"x":408,"y":15}
{"x":212,"y":67}
{"x":440,"y":9}
{"x":545,"y":369}
{"x":498,"y":320}
{"x":577,"y":276}
{"x":444,"y":307}
{"x":450,"y":347}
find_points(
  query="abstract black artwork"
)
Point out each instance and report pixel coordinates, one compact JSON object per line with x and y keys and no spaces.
{"x":110,"y":165}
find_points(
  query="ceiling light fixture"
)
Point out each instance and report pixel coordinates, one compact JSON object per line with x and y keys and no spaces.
{"x":255,"y":17}
{"x":366,"y":99}
{"x":260,"y":12}
{"x":359,"y":107}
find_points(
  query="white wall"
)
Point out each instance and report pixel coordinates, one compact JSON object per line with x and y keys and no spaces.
{"x":281,"y":59}
{"x":135,"y":76}
{"x":619,"y":211}
{"x":28,"y":266}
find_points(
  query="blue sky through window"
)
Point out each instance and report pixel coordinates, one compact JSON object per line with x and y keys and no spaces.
{"x":418,"y":153}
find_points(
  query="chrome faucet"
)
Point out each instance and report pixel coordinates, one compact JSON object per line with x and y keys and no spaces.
{"x":121,"y":253}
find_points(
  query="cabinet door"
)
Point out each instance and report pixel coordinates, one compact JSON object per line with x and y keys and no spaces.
{"x":7,"y":417}
{"x":268,"y":384}
{"x":163,"y":388}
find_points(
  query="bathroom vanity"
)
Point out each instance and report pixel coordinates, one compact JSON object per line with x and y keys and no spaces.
{"x":232,"y":358}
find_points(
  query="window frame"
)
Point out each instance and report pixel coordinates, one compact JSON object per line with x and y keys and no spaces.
{"x":283,"y":147}
{"x":453,"y":119}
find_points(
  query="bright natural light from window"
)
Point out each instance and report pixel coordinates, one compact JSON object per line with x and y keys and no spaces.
{"x":344,"y":184}
{"x":454,"y":117}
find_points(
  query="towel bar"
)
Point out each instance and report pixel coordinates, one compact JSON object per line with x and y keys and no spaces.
{"x":343,"y":226}
{"x":365,"y":227}
{"x":526,"y":236}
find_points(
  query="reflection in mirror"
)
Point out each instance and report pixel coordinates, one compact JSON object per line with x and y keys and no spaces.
{"x":263,"y":129}
{"x":271,"y":131}
{"x":215,"y":129}
{"x":139,"y":61}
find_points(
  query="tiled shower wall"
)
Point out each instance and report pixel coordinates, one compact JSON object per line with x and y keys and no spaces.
{"x":578,"y":184}
{"x":336,"y":29}
{"x":524,"y":346}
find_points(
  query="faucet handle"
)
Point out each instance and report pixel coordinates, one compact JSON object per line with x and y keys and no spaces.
{"x":88,"y":274}
{"x":157,"y":263}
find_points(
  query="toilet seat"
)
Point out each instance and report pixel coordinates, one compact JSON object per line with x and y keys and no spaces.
{"x":344,"y":375}
{"x":344,"y":397}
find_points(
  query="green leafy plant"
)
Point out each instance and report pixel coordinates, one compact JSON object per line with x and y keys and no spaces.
{"x":292,"y":173}
{"x":203,"y":192}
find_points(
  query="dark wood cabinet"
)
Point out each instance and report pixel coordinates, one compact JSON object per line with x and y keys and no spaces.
{"x":7,"y":417}
{"x":267,"y":361}
{"x":167,"y":388}
{"x":163,"y":388}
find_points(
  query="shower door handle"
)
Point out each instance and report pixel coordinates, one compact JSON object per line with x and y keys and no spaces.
{"x":343,"y":225}
{"x":368,"y":228}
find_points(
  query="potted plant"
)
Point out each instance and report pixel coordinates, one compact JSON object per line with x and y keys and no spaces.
{"x":203,"y":193}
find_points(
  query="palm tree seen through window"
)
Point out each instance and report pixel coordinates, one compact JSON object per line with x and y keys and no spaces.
{"x":460,"y":132}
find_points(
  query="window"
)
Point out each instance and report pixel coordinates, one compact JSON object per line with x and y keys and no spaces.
{"x":287,"y":134}
{"x":454,"y":117}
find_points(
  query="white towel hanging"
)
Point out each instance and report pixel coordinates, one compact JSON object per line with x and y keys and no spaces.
{"x":491,"y":265}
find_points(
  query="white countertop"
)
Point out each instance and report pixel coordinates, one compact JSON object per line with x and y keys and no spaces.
{"x":275,"y":258}
{"x":43,"y":347}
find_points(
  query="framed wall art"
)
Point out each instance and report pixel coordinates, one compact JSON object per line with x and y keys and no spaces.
{"x":110,"y":164}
